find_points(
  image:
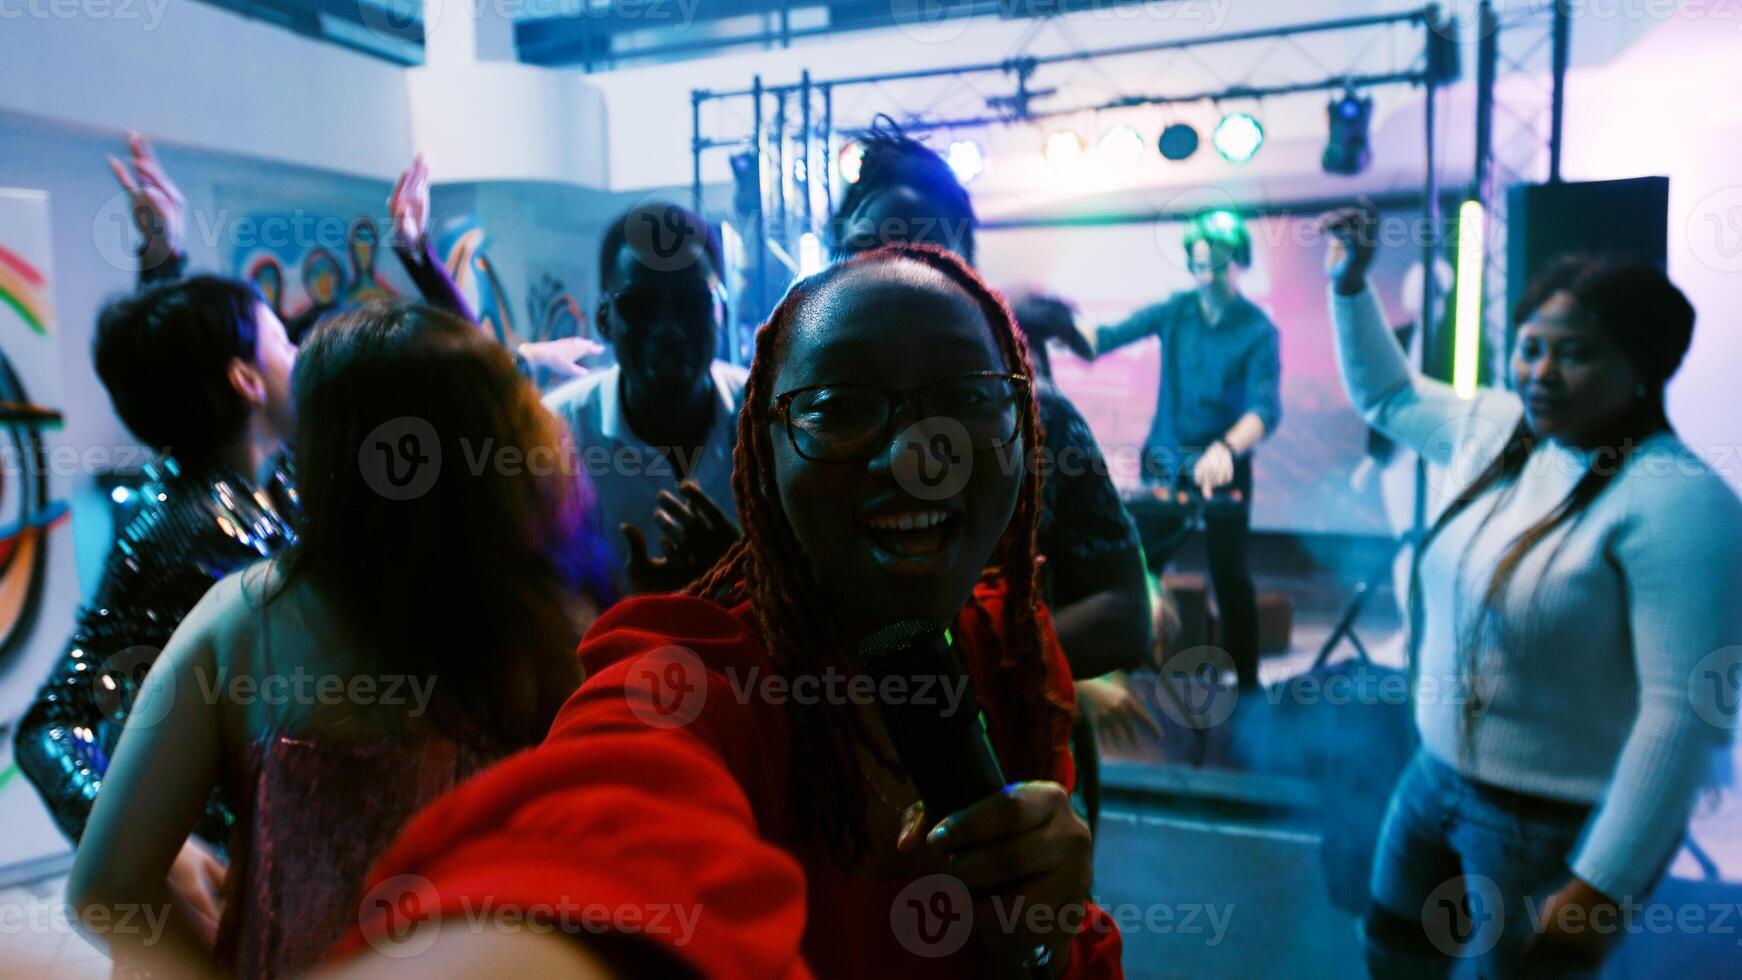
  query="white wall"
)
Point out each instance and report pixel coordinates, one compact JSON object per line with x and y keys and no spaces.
{"x":194,"y":75}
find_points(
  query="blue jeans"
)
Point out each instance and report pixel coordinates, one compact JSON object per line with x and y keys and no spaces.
{"x":1459,"y":869}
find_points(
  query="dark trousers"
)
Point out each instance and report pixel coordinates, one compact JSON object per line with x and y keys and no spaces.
{"x":1227,"y":526}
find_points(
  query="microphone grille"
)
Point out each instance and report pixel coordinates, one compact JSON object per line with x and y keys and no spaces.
{"x":898,"y":636}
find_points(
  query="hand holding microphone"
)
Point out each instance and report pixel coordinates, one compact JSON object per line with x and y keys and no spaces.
{"x":1020,"y":849}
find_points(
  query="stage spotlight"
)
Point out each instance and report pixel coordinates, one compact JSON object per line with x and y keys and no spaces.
{"x":1177,"y":142}
{"x":1237,"y":137}
{"x":1348,"y":151}
{"x":1121,"y":146}
{"x":1064,"y":149}
{"x":852,"y":156}
{"x":965,"y":158}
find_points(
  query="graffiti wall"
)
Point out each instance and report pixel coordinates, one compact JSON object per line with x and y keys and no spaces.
{"x":38,"y":576}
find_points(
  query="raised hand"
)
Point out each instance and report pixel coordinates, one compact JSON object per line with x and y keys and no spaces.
{"x":159,"y":209}
{"x":1354,"y":240}
{"x":409,"y":203}
{"x":696,"y":533}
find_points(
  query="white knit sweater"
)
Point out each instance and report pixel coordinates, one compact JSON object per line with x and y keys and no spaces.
{"x":1589,"y":674}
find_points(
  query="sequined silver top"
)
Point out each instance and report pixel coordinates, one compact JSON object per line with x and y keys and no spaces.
{"x":200,"y":522}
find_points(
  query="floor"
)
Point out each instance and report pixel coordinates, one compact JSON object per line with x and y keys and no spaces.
{"x":38,"y":940}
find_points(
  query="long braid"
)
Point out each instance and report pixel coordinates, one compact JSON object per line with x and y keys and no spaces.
{"x":768,"y":568}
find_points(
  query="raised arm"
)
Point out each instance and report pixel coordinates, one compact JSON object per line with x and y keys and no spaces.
{"x":159,"y":212}
{"x":409,"y":206}
{"x":1420,"y":412}
{"x":1146,"y":322}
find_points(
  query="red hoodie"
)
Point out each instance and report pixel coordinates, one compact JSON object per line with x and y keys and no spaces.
{"x":659,"y":807}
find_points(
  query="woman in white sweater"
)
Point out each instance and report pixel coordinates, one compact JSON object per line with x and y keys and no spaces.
{"x":1569,"y":611}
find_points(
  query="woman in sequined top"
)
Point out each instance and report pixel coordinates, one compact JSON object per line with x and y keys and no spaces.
{"x":199,"y":371}
{"x":423,"y":624}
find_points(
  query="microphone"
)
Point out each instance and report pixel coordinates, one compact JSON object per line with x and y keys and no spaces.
{"x":942,"y":746}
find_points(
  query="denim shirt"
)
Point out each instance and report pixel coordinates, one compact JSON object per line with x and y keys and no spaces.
{"x":1211,"y":375}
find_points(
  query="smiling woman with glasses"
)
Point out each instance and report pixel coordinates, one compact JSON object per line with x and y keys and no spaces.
{"x":788,"y":823}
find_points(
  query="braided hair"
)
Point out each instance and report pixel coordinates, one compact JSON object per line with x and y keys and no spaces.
{"x":768,"y":568}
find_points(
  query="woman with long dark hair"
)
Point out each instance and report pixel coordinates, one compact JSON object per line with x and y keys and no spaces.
{"x":1560,"y":607}
{"x":717,"y":790}
{"x":421,"y":626}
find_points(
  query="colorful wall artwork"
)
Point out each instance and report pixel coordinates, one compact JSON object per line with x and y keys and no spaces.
{"x":38,"y":576}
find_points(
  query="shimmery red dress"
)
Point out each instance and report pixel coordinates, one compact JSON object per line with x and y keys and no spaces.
{"x":319,"y":815}
{"x":642,"y":807}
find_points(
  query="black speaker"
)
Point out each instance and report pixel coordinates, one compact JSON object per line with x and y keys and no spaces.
{"x":1599,"y":218}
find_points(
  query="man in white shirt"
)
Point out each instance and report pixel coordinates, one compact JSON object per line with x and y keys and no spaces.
{"x":655,"y":432}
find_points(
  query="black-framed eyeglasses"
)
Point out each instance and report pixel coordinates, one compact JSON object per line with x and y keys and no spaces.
{"x":845,"y":422}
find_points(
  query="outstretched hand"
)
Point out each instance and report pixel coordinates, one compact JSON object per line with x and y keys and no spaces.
{"x":409,"y":203}
{"x":159,"y":209}
{"x":562,"y":356}
{"x":1354,"y":241}
{"x":696,"y":533}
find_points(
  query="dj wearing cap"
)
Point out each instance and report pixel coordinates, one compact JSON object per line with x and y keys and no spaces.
{"x":1218,"y":398}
